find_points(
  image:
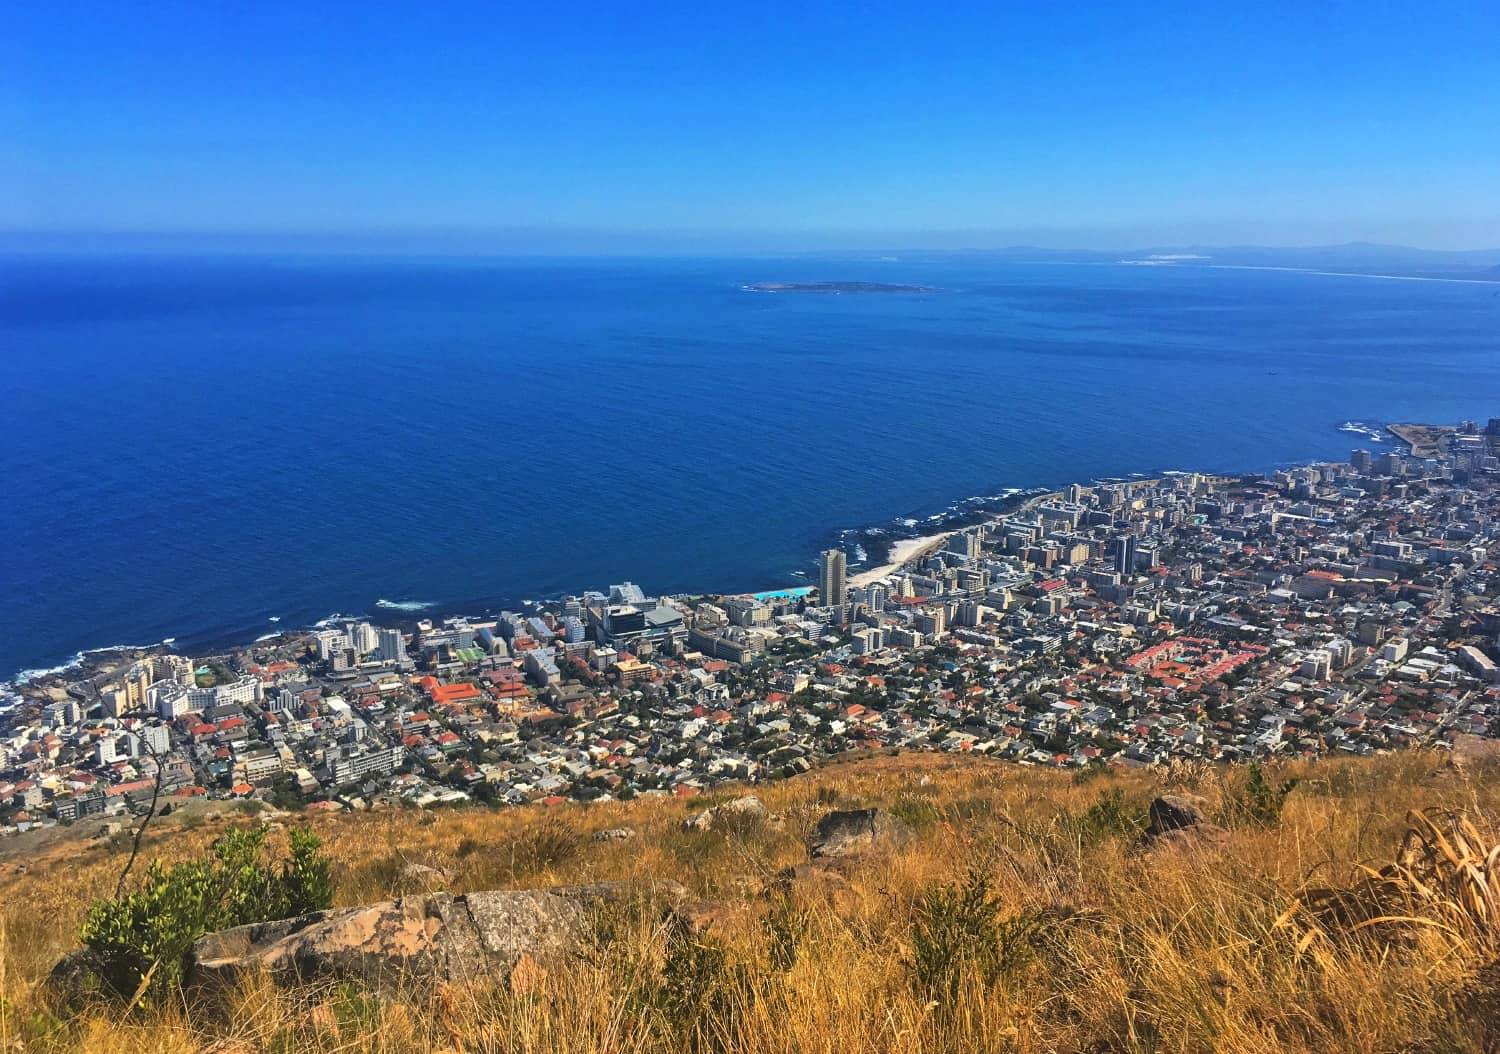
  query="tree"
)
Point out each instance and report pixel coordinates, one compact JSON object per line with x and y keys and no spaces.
{"x":140,"y":830}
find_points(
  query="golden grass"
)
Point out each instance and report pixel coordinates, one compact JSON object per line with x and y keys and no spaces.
{"x":1233,"y":948}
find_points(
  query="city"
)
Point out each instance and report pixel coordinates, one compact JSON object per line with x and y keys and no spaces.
{"x":1328,"y":608}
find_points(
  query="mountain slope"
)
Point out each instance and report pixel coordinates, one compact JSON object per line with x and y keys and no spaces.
{"x":1021,"y":914}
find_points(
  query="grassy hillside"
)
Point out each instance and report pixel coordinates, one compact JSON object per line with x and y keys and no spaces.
{"x":1022,"y":916}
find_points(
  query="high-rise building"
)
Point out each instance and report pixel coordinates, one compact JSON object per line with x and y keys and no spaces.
{"x":833,"y":568}
{"x":1359,"y":460}
{"x":931,"y":622}
{"x":873,"y":596}
{"x":177,"y":668}
{"x":362,"y":638}
{"x":391,"y":645}
{"x":136,"y":683}
{"x":1122,"y":552}
{"x":115,"y":702}
{"x":330,"y":642}
{"x":965,"y":543}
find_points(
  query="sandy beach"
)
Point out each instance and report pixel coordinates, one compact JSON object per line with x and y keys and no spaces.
{"x":902,"y":553}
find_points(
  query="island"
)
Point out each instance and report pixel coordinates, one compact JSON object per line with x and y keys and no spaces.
{"x":836,"y":287}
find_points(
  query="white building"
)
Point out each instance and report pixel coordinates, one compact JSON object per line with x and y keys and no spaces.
{"x":362,"y":638}
{"x":170,"y":699}
{"x":391,"y":645}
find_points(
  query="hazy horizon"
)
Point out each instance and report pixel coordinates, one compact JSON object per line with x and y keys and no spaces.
{"x":564,"y":243}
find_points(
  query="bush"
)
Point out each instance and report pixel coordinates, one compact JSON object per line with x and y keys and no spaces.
{"x":539,"y":847}
{"x":1112,"y":816}
{"x":703,"y":994}
{"x":959,"y":936}
{"x":916,"y":812}
{"x":786,"y":930}
{"x":1260,"y":802}
{"x":141,"y":940}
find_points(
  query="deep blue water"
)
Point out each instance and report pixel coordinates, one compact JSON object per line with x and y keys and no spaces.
{"x":193,"y":446}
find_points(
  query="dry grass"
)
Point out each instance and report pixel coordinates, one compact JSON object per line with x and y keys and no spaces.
{"x":1265,"y":943}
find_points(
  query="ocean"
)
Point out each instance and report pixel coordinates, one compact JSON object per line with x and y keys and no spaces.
{"x":194,"y":447}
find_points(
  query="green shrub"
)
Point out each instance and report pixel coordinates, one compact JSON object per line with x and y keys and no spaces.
{"x":1260,"y":802}
{"x":142,"y":939}
{"x":786,"y":929}
{"x":703,"y":993}
{"x":1089,"y":773}
{"x":959,"y":936}
{"x":1112,"y":816}
{"x":916,"y":811}
{"x":306,"y":879}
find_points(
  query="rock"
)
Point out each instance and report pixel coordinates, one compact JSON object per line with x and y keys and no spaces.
{"x":1196,"y":837}
{"x":1172,"y":812}
{"x":436,"y":937}
{"x":77,"y":978}
{"x":848,"y":832}
{"x":738,"y":814}
{"x":614,"y":834}
{"x":1180,"y":822}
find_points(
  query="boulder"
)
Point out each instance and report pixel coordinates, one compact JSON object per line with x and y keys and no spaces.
{"x":1180,"y":822}
{"x":614,"y":834}
{"x":1195,"y":837}
{"x":1172,"y":812}
{"x":849,"y":832}
{"x":738,"y":814}
{"x":436,"y":937}
{"x":77,"y":977}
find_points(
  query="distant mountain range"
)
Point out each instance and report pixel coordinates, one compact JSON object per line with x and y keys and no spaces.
{"x":1352,"y":257}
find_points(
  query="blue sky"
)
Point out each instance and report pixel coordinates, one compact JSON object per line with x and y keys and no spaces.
{"x":757,"y":124}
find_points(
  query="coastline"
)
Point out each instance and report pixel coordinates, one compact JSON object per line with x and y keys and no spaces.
{"x":1422,"y":440}
{"x":903,"y":552}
